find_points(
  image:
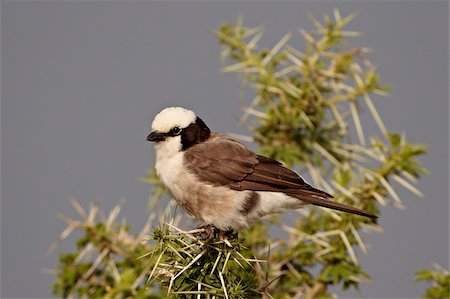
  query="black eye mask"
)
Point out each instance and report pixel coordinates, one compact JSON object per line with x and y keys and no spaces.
{"x":173,"y":132}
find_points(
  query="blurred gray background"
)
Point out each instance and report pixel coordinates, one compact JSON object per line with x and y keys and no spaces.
{"x":81,"y":82}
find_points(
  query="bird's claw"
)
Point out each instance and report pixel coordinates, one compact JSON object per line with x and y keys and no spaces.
{"x":209,"y":231}
{"x":205,"y":232}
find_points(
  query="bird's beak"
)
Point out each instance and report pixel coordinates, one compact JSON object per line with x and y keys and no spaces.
{"x":155,"y":137}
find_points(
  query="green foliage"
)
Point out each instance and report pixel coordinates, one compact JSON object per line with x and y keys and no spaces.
{"x":105,"y":262}
{"x":440,"y":279}
{"x":305,"y":112}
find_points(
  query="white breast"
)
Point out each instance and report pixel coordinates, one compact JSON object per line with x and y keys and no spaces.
{"x":168,"y":170}
{"x":169,"y":161}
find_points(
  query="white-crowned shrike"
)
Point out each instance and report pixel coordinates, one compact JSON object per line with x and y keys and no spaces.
{"x":220,"y":181}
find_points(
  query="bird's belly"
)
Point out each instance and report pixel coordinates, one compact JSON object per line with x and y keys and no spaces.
{"x":216,"y":205}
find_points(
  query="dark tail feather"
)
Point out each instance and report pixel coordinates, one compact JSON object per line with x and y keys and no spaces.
{"x":332,"y":205}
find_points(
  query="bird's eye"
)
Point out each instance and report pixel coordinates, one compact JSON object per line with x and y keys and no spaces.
{"x":176,"y":131}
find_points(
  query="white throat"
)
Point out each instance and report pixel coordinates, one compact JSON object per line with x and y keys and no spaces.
{"x":169,"y":160}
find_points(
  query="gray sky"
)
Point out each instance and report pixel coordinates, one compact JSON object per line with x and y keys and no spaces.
{"x":82,"y":81}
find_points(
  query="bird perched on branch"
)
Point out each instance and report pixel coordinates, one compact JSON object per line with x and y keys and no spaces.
{"x":220,"y":181}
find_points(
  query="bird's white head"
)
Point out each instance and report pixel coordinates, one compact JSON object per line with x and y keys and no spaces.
{"x":175,"y":129}
{"x":172,"y":117}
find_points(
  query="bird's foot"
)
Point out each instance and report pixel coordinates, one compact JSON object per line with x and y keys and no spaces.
{"x":206,"y":231}
{"x":224,"y":238}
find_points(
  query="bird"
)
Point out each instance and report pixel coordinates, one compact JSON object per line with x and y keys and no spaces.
{"x":220,"y":181}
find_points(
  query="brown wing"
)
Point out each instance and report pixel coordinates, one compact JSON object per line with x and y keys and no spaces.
{"x":271,"y":175}
{"x":225,"y":162}
{"x":222,"y":161}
